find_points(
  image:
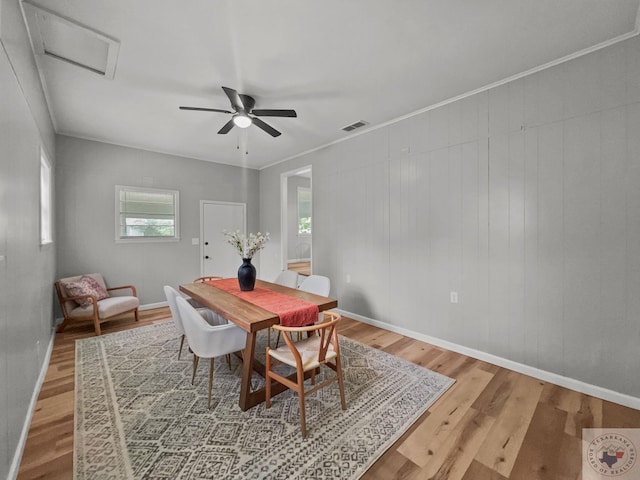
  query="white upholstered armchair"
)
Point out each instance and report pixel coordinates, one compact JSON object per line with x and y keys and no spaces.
{"x":87,"y":298}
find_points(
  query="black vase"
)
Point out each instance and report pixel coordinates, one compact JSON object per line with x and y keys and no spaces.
{"x":246,"y":275}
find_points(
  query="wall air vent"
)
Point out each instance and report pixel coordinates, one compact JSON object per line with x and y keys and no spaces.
{"x":64,"y":40}
{"x":353,"y":126}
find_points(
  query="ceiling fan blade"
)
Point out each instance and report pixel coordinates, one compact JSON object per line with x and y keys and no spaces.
{"x":274,"y":113}
{"x":201,"y":109}
{"x":226,"y":127}
{"x":234,"y":98}
{"x":247,"y":101}
{"x":267,"y":128}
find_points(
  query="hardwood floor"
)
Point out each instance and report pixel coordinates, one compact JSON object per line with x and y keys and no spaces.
{"x":48,"y":452}
{"x":493,"y":424}
{"x":303,"y":268}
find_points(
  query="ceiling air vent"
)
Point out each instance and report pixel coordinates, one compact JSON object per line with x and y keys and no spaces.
{"x":353,"y":126}
{"x":65,"y":40}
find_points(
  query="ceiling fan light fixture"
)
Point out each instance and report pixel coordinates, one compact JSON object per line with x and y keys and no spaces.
{"x":242,"y":120}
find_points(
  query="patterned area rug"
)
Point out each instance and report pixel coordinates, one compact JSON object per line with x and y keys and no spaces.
{"x":138,"y":416}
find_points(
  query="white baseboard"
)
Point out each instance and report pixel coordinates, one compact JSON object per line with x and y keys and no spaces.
{"x":295,"y":260}
{"x":567,"y":382}
{"x":17,"y":456}
{"x":151,"y":306}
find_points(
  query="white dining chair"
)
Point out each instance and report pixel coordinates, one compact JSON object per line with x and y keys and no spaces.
{"x":209,"y":316}
{"x":316,"y":284}
{"x":208,"y":341}
{"x":287,"y":278}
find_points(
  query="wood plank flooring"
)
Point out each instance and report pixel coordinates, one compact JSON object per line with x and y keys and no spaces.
{"x":303,"y":268}
{"x":493,"y":424}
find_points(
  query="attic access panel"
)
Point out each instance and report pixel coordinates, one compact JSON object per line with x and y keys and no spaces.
{"x":65,"y":40}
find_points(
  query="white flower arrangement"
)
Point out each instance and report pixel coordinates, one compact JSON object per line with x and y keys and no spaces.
{"x":247,"y":247}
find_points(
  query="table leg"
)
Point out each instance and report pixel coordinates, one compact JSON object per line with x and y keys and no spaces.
{"x":247,"y":370}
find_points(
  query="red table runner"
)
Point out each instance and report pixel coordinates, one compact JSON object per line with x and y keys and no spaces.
{"x":293,"y":312}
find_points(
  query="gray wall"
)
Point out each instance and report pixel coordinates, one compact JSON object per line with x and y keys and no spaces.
{"x":298,"y":247}
{"x":87,"y":173}
{"x":27,"y":270}
{"x":525,"y":199}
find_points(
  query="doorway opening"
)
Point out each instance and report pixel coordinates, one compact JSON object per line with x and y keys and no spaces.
{"x":296,"y":220}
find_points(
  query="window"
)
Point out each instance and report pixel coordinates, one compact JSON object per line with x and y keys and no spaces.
{"x":304,"y":211}
{"x":46,"y":210}
{"x":146,"y":214}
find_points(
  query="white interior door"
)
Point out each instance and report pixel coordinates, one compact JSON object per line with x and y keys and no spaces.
{"x":218,"y":257}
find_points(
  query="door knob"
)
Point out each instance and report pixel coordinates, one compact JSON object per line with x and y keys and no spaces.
{"x":207,"y":257}
{"x":206,"y":243}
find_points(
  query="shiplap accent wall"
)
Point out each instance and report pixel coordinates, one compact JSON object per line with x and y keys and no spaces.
{"x":524,"y":199}
{"x":26,"y":267}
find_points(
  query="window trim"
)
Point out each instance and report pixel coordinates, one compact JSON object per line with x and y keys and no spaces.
{"x":46,"y":225}
{"x":298,"y":191}
{"x":142,"y":239}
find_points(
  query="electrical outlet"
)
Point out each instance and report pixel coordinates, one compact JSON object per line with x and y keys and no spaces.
{"x":454,"y":297}
{"x":348,"y":278}
{"x":195,"y":241}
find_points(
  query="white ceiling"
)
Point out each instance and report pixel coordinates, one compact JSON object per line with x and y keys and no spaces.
{"x":335,"y":62}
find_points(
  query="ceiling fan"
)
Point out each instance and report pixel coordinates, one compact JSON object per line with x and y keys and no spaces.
{"x":244,"y":115}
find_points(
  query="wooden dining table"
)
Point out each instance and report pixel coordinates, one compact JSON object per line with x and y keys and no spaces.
{"x":251,"y":318}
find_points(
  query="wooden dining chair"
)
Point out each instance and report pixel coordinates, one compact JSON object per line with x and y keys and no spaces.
{"x":320,"y":348}
{"x":208,"y":278}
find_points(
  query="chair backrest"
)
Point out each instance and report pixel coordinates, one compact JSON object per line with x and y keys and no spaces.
{"x":326,"y":328}
{"x":63,"y":294}
{"x":208,"y":278}
{"x":96,"y":276}
{"x":316,"y":284}
{"x":287,"y":278}
{"x":206,"y":340}
{"x":328,"y":334}
{"x":172,"y":294}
